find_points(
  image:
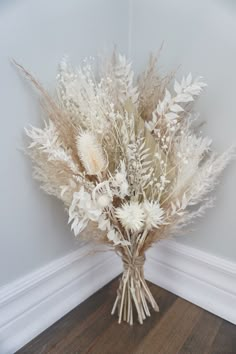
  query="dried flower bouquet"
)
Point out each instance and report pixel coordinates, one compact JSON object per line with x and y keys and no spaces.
{"x":127,"y":158}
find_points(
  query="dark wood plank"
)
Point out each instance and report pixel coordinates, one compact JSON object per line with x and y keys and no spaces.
{"x":76,"y":320}
{"x":203,"y":335}
{"x":118,"y":338}
{"x":173,"y":329}
{"x":225,"y":341}
{"x":80,"y":338}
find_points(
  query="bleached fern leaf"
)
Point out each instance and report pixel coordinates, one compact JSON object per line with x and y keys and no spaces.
{"x":124,"y":80}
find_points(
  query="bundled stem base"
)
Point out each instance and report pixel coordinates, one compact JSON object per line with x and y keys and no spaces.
{"x":133,"y":292}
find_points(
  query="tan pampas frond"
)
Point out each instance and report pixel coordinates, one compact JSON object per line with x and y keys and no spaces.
{"x":53,"y":175}
{"x":151,"y":86}
{"x":61,"y":120}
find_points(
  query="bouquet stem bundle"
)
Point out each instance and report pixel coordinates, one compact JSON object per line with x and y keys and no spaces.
{"x":133,"y":292}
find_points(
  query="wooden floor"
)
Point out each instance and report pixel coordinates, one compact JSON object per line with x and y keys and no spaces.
{"x":180,"y":327}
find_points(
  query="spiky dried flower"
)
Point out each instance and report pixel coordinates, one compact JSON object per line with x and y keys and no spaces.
{"x":131,"y":216}
{"x":154,"y":214}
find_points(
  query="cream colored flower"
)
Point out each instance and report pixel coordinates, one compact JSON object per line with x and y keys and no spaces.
{"x":91,"y":153}
{"x":131,"y":216}
{"x":154,"y":214}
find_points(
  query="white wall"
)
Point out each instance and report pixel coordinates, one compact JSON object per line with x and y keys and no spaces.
{"x":199,"y":35}
{"x":34,"y":227}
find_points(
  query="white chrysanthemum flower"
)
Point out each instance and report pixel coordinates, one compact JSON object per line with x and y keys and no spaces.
{"x":154,"y":214}
{"x":131,"y":216}
{"x":91,"y":153}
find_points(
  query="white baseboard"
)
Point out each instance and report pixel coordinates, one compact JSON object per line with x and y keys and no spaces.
{"x":31,"y":304}
{"x":201,"y":278}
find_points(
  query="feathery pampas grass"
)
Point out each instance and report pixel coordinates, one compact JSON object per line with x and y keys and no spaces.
{"x":125,"y":156}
